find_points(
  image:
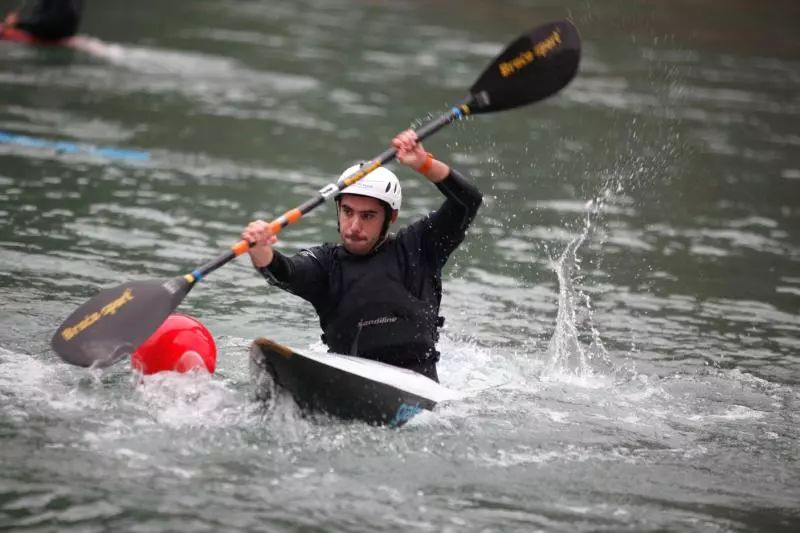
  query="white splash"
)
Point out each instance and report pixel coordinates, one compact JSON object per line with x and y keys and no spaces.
{"x":567,"y":352}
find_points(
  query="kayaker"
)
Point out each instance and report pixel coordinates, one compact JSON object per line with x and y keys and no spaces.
{"x":377,"y":293}
{"x":46,"y":20}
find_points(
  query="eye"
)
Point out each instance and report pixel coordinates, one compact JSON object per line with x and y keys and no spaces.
{"x":368,"y":216}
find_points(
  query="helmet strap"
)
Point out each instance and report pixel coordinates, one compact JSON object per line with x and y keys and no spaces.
{"x":338,"y":200}
{"x":387,"y":211}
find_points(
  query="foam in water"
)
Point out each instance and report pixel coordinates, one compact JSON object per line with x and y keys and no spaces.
{"x":190,"y":399}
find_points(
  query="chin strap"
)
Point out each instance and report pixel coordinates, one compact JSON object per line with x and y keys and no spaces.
{"x":385,"y":229}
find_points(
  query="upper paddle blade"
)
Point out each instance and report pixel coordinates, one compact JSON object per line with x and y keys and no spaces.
{"x":538,"y":64}
{"x":116,"y":321}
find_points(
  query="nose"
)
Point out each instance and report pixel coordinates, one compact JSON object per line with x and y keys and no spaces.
{"x":354,"y":225}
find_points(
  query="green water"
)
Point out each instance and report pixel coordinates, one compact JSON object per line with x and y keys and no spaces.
{"x":645,"y":380}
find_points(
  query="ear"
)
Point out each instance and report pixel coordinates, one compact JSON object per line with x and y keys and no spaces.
{"x":393,"y":218}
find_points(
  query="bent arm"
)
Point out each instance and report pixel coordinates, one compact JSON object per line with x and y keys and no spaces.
{"x":461,"y":196}
{"x":301,"y":274}
{"x":444,"y":229}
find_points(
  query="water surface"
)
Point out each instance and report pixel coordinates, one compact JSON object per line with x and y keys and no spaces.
{"x":623,"y":315}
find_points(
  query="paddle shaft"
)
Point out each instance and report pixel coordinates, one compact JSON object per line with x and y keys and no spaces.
{"x":329,"y":191}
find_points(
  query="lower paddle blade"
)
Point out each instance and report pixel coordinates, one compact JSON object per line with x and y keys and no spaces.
{"x":114,"y":323}
{"x":535,"y":66}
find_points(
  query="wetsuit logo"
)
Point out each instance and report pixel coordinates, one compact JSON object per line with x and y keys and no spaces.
{"x":377,"y":321}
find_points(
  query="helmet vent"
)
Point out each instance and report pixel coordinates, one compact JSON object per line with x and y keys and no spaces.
{"x":388,"y":186}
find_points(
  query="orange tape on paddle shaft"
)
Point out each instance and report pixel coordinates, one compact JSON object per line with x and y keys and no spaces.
{"x":240,"y":247}
{"x":289,"y":217}
{"x":293,"y":215}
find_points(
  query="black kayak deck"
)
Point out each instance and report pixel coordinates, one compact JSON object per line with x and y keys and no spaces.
{"x":351,"y":388}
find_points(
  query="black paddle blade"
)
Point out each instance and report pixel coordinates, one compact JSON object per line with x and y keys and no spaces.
{"x":538,"y":64}
{"x":114,"y":323}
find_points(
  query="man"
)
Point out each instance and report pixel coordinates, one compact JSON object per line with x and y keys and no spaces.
{"x":46,"y":20}
{"x":378,"y":294}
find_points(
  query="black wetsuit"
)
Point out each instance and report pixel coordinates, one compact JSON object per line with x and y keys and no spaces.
{"x":384,"y":305}
{"x":50,"y":20}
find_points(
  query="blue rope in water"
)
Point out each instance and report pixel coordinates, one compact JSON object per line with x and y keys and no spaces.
{"x":64,"y":147}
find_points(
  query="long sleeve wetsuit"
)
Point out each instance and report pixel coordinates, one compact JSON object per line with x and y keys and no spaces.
{"x":384,"y":305}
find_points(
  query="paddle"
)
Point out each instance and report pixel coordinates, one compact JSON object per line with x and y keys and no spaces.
{"x":112,"y":324}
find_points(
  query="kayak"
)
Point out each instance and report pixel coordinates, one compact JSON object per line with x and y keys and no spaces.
{"x":350,"y":388}
{"x":83,"y":43}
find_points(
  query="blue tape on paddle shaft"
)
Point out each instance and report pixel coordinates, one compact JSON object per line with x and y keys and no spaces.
{"x":64,"y":147}
{"x":197,"y":275}
{"x":458,"y":112}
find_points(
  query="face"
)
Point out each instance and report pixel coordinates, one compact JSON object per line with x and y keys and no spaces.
{"x":360,"y":222}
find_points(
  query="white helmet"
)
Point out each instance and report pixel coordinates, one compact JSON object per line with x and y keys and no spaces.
{"x":381,"y":183}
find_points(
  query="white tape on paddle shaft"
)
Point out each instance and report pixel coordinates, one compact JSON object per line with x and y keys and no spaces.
{"x":329,"y":191}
